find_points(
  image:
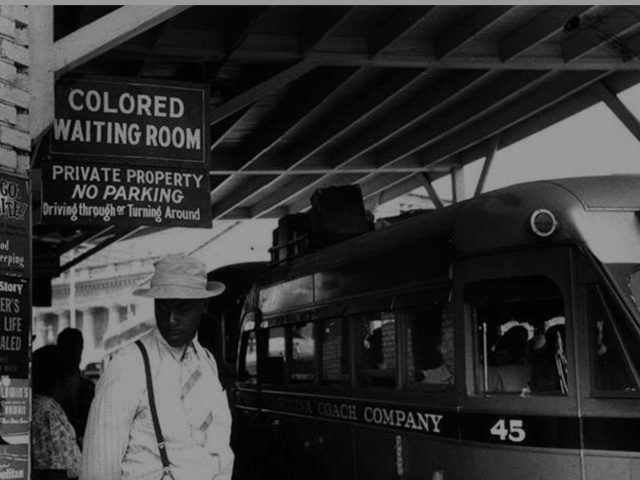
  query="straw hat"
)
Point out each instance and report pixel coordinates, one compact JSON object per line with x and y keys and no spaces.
{"x":180,"y":276}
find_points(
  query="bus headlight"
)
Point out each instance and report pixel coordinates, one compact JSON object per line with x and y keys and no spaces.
{"x":543,"y":223}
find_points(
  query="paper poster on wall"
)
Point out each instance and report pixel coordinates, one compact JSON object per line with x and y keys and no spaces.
{"x":15,"y":401}
{"x":15,"y":320}
{"x":14,"y":461}
{"x":15,"y":235}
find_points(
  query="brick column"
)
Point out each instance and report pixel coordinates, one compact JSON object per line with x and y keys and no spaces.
{"x":15,"y":141}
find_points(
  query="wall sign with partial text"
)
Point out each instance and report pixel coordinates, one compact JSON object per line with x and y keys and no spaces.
{"x":15,"y":272}
{"x":15,"y":325}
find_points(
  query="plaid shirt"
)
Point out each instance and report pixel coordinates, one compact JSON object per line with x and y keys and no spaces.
{"x":53,"y":440}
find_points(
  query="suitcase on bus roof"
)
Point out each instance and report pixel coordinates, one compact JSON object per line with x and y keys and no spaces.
{"x":337,"y":213}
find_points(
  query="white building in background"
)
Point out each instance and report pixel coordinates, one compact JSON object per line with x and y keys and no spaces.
{"x":99,"y":289}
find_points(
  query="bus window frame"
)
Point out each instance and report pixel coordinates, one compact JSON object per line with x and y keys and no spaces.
{"x":297,"y":378}
{"x":606,"y":300}
{"x":555,"y":262}
{"x":358,"y":372}
{"x":432,"y":295}
{"x":345,"y":380}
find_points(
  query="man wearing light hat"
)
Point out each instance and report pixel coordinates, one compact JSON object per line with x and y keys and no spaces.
{"x":193,"y":418}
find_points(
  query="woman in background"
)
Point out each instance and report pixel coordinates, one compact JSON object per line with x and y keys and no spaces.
{"x":55,"y":454}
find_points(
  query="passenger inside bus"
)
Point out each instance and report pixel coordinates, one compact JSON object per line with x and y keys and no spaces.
{"x":378,"y":358}
{"x":512,"y":371}
{"x":611,"y":369}
{"x":430,"y":334}
{"x":440,"y":361}
{"x":520,"y":343}
{"x":549,"y":361}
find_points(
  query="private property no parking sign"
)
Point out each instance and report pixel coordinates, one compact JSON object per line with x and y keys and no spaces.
{"x":128,"y":153}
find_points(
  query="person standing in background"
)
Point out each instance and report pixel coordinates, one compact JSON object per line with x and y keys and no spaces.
{"x":70,"y":343}
{"x":54,"y":450}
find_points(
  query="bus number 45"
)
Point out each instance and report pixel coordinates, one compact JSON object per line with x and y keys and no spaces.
{"x":514,"y":432}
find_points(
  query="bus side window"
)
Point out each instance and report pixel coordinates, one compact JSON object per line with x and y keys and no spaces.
{"x":611,"y":371}
{"x":303,"y":351}
{"x":377,"y":347}
{"x":430,"y":355}
{"x":249,"y":360}
{"x":272,"y":370}
{"x":520,"y":342}
{"x":334,"y":341}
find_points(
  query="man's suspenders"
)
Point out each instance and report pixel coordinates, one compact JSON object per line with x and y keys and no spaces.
{"x":166,"y":465}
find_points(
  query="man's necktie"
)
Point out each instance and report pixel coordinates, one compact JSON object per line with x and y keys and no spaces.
{"x":194,"y":398}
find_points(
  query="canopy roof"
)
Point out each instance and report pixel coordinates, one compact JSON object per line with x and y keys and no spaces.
{"x":389,"y":97}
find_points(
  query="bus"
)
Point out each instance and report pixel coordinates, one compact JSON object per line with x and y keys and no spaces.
{"x":496,"y":338}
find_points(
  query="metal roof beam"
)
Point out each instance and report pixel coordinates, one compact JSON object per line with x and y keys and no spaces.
{"x":327,"y":169}
{"x":108,"y":31}
{"x":261,"y":90}
{"x":618,"y":108}
{"x":486,"y":166}
{"x":386,"y":192}
{"x":354,"y":115}
{"x":538,"y":29}
{"x":604,"y":30}
{"x":405,"y":114}
{"x":240,"y":27}
{"x":427,"y":102}
{"x":224,"y":127}
{"x":465,"y":30}
{"x":281,"y":196}
{"x":472,"y":137}
{"x":322,"y":25}
{"x":457,"y":184}
{"x":485,"y":99}
{"x":158,"y":34}
{"x":551,"y":92}
{"x":402,"y":21}
{"x":299,"y":104}
{"x":548,"y":117}
{"x":238,"y":196}
{"x":405,"y":55}
{"x":433,"y":195}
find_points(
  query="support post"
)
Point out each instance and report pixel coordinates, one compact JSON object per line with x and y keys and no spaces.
{"x":41,"y":77}
{"x":433,"y":196}
{"x":457,"y":184}
{"x":617,"y":107}
{"x":493,"y":148}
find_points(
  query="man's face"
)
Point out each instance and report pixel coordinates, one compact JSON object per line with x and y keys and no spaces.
{"x":178,"y":319}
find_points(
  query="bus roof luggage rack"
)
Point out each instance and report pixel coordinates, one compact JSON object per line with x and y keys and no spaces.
{"x":291,"y":237}
{"x":337,"y":214}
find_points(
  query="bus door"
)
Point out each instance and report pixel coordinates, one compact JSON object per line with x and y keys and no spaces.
{"x":611,"y":385}
{"x":519,"y":418}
